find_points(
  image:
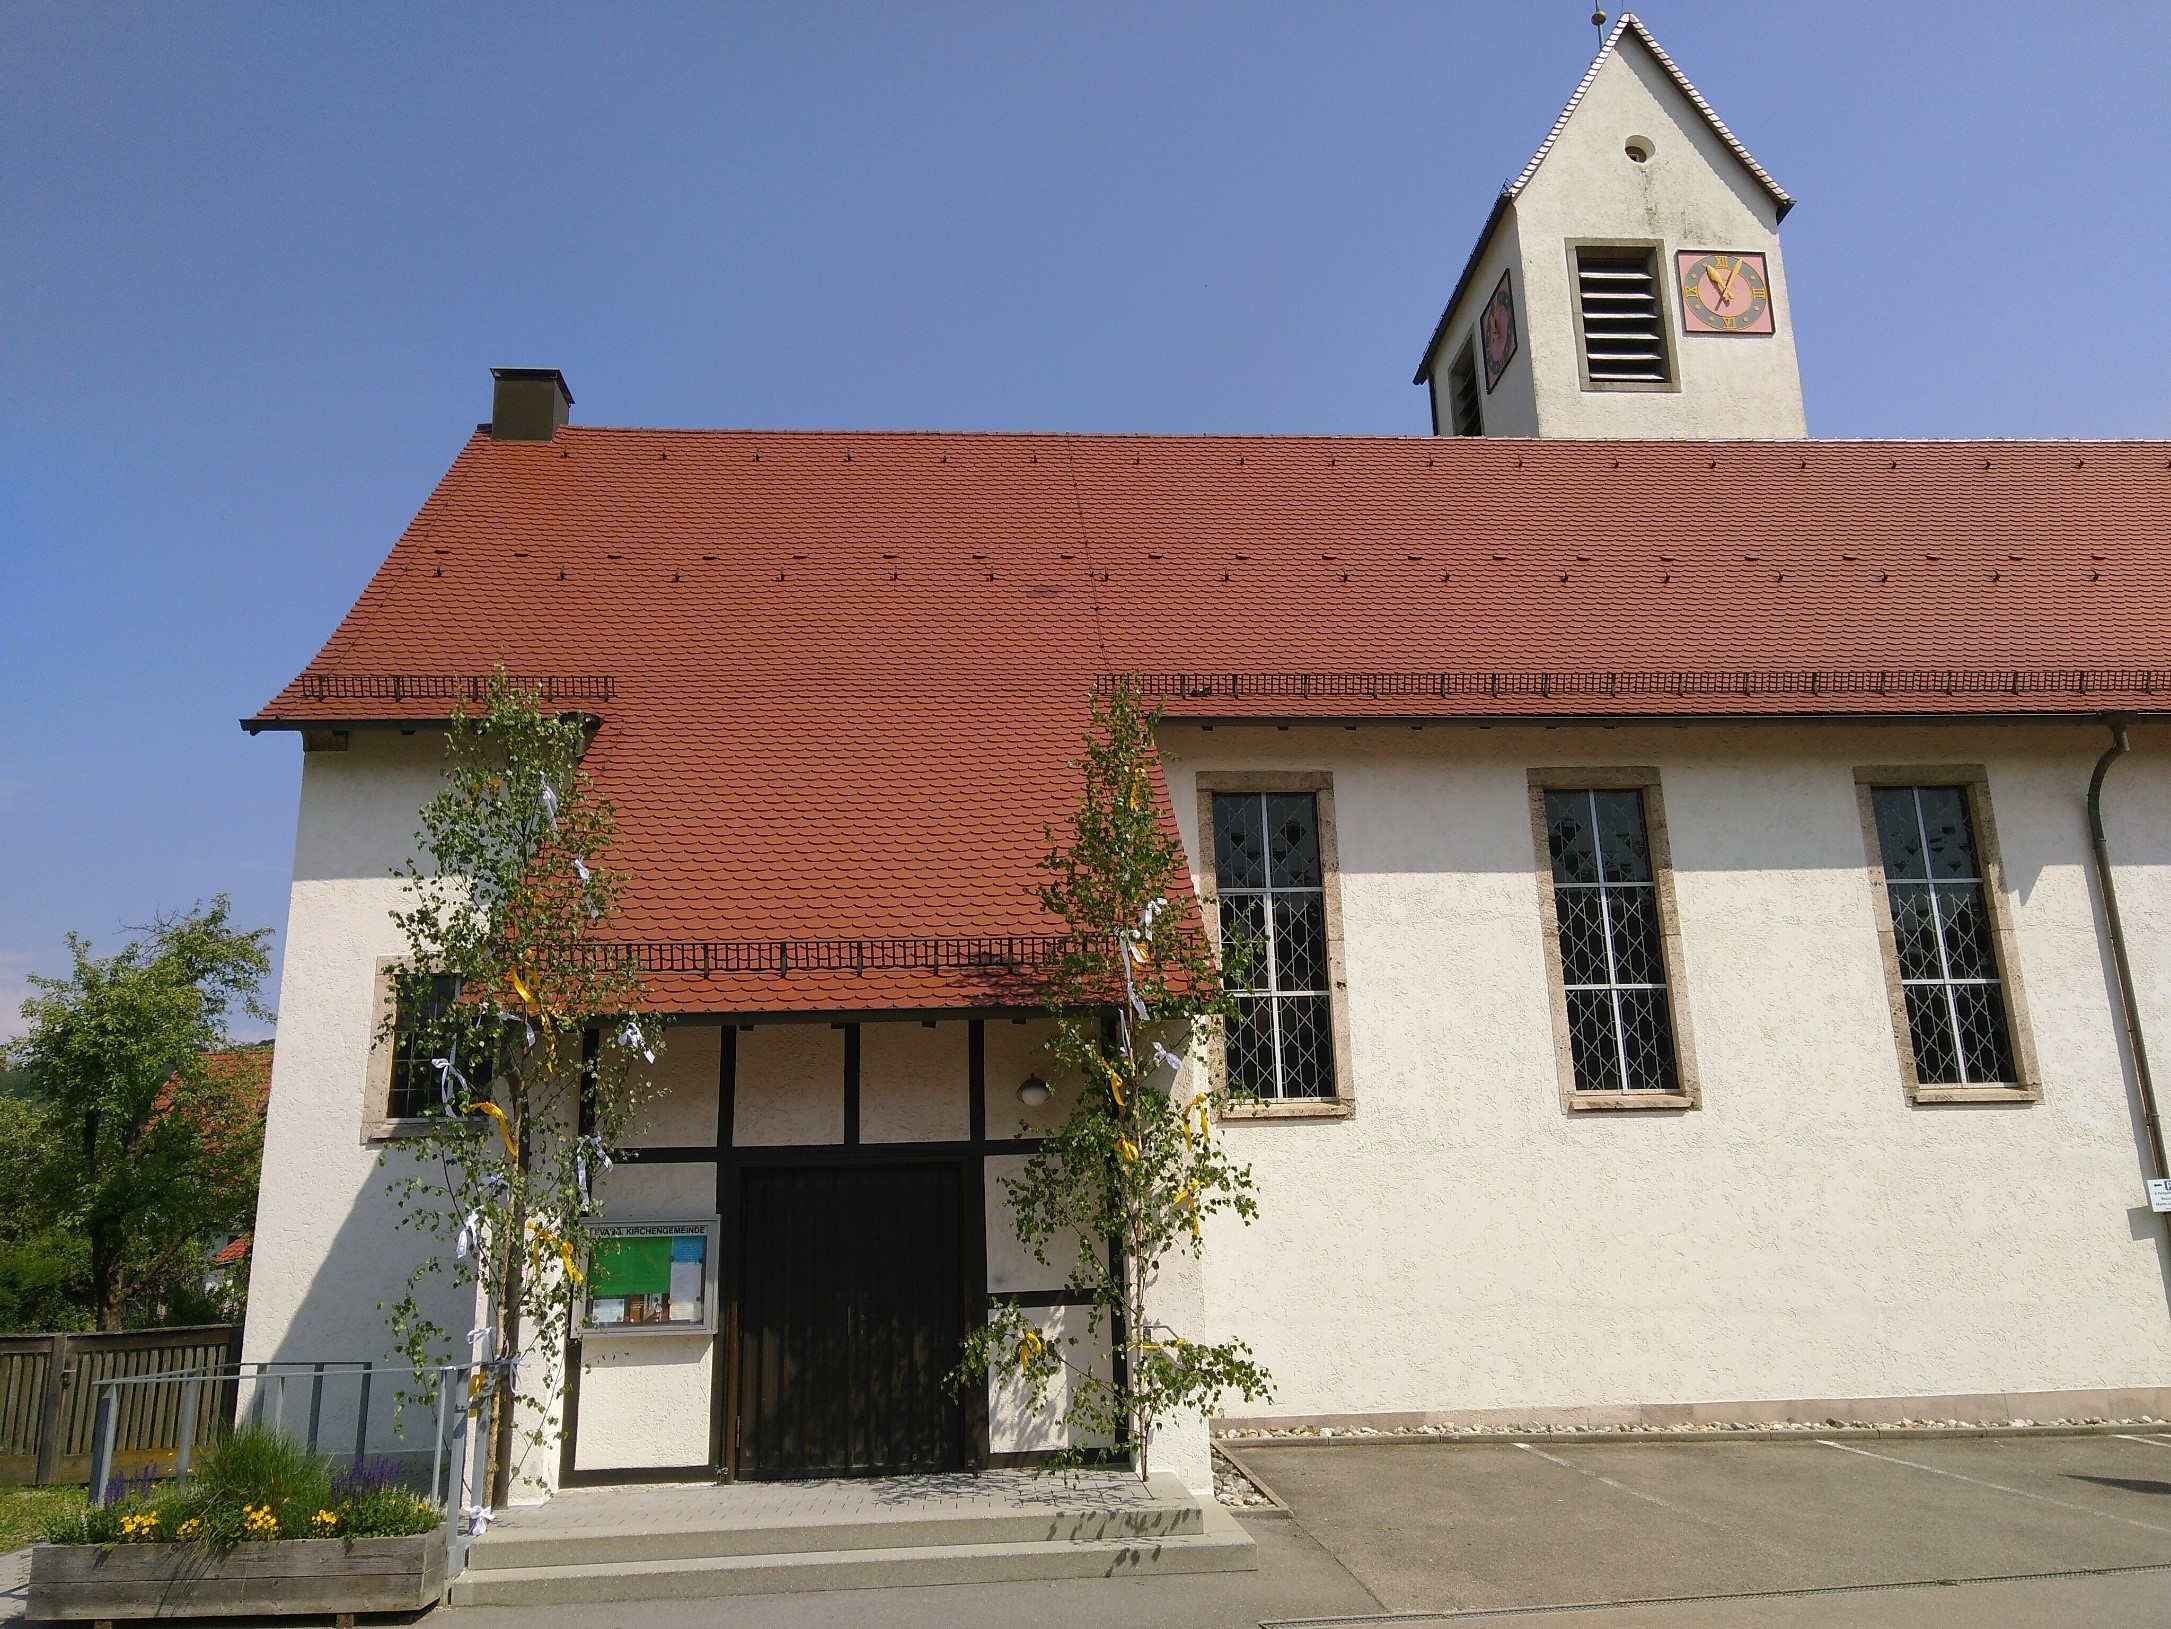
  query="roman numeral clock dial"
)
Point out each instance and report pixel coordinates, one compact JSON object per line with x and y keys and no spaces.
{"x":1723,"y":292}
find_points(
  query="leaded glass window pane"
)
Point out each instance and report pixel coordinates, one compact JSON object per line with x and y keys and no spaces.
{"x":1612,"y":948}
{"x":1941,"y":931}
{"x":1274,"y":926}
{"x":417,"y":1087}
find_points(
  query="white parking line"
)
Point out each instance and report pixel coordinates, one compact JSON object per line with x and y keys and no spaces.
{"x":2153,"y":1442}
{"x":1996,"y":1487}
{"x":1621,"y":1487}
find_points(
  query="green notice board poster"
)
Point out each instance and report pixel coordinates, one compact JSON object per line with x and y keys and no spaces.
{"x":631,"y":1266}
{"x":650,"y":1277}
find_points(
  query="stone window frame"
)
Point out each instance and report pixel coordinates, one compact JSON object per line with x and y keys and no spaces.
{"x":1613,"y":778}
{"x":379,"y":1125}
{"x":1320,"y":783}
{"x":1974,"y":780}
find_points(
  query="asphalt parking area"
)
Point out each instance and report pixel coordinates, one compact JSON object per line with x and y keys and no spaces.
{"x":1427,"y":1526}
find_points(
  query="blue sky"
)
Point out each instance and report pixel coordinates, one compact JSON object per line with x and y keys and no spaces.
{"x":255,"y":261}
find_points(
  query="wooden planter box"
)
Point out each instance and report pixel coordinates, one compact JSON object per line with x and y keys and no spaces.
{"x":306,"y":1576}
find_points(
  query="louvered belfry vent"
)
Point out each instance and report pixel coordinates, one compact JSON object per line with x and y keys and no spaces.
{"x":1624,"y":335}
{"x":1463,"y":397}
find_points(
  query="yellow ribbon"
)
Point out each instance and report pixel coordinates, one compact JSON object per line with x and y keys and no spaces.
{"x":545,"y":1237}
{"x":520,"y":989}
{"x":1030,"y":1346}
{"x":1115,"y":1083}
{"x":1127,"y":1148}
{"x":505,"y":1126}
{"x":1188,"y":1197}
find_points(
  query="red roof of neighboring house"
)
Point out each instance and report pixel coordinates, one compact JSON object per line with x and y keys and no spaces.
{"x":843,"y":675}
{"x":248,"y":1067}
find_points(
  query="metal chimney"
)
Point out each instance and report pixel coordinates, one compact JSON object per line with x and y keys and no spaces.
{"x":528,"y":404}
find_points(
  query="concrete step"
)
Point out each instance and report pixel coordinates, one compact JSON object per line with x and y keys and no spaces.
{"x":510,"y":1548}
{"x":1212,"y":1541}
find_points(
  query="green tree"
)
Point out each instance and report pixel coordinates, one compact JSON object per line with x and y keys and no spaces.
{"x":1135,"y":1168}
{"x":121,"y":1134}
{"x":529,"y":1017}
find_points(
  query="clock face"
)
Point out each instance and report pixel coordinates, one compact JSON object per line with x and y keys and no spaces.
{"x":1723,"y":292}
{"x":1498,"y":327}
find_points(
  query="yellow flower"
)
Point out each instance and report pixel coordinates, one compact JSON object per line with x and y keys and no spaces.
{"x":141,"y":1527}
{"x":190,"y":1530}
{"x":258,"y":1522}
{"x":324,"y":1520}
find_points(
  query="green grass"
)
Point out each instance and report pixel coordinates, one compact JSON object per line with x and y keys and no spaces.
{"x":23,"y":1512}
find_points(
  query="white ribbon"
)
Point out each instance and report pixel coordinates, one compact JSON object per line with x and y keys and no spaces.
{"x":1132,"y":943}
{"x":479,"y":1517}
{"x":580,"y":1172}
{"x":580,"y":867}
{"x":550,"y":802}
{"x":469,"y":1238}
{"x":1162,"y":1055}
{"x":632,"y":1038}
{"x":447,"y":1074}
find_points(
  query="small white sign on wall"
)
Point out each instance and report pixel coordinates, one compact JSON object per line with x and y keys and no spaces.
{"x":2159,"y":1194}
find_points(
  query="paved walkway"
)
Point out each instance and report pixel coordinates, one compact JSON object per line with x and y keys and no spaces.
{"x":1471,"y":1528}
{"x":1708,"y":1535}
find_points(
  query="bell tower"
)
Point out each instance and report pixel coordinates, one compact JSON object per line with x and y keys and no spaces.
{"x":1628,"y":284}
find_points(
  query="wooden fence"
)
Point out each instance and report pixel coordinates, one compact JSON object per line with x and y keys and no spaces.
{"x":49,"y":1398}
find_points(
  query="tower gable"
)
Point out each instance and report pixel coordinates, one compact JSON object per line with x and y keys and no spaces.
{"x":1591,"y":257}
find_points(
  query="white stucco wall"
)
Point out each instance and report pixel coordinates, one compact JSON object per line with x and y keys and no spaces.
{"x":645,"y":1400}
{"x":678,"y":1094}
{"x":1464,"y":1243}
{"x":790,"y":1085}
{"x":328,"y":1250}
{"x":915,"y":1082}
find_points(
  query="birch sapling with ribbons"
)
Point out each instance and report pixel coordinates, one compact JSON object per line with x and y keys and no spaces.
{"x":1137,"y":1166}
{"x":530,"y":1030}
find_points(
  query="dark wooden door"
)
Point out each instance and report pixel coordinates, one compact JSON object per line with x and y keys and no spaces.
{"x":851,"y":1307}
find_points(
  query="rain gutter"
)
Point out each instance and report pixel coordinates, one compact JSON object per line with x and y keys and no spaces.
{"x":2127,"y":998}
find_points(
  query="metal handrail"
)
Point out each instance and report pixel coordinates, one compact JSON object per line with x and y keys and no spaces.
{"x":105,"y":1426}
{"x":460,"y":1444}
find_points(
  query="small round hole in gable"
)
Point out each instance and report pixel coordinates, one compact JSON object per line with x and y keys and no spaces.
{"x":1638,"y":149}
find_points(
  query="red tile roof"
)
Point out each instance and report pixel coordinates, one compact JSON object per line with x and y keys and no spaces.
{"x":842,"y":675}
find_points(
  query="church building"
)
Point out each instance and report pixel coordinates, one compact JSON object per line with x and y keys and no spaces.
{"x":1692,"y":990}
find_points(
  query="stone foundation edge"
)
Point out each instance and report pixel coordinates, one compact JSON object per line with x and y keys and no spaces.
{"x":1963,"y":1408}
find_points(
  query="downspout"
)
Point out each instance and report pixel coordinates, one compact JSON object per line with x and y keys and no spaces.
{"x":2126,"y":997}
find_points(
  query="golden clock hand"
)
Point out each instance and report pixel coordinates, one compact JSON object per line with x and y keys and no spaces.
{"x":1726,"y":289}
